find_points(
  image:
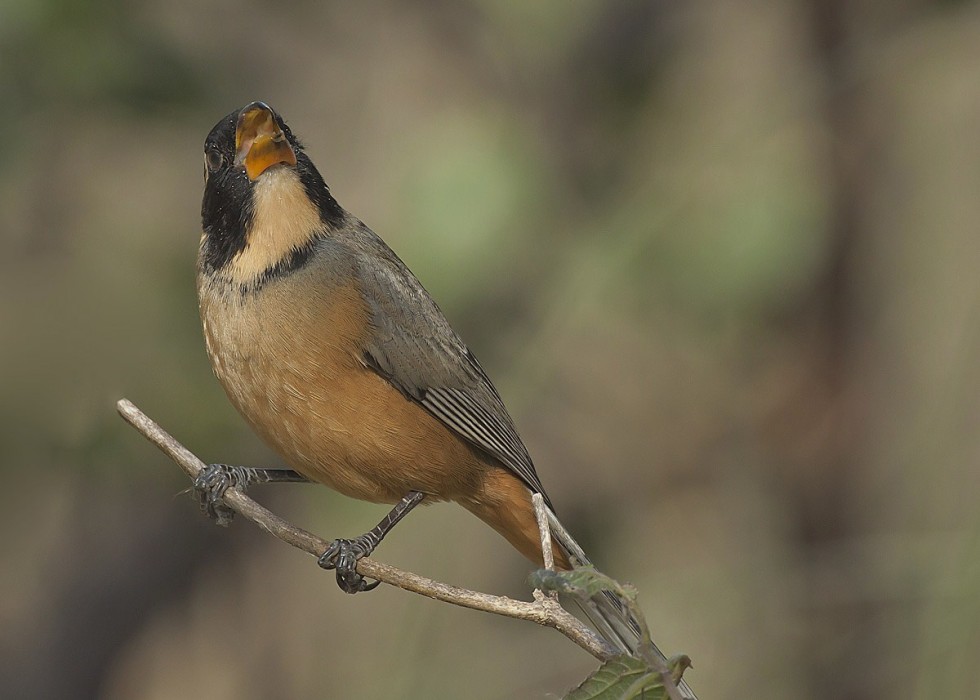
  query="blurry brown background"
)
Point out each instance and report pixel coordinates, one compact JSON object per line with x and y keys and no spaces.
{"x":720,"y":258}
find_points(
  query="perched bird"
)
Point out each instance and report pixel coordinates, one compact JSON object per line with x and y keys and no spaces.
{"x":339,"y":359}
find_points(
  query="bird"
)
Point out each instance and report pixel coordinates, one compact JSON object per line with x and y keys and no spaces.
{"x":338,"y":358}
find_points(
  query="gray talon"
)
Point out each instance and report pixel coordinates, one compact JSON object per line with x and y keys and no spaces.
{"x":210,"y":486}
{"x":343,"y":556}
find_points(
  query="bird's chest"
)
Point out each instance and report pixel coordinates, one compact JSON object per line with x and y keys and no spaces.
{"x":265,"y":357}
{"x":285,"y":359}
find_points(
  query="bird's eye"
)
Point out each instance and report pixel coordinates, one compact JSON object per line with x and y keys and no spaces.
{"x":213,"y":158}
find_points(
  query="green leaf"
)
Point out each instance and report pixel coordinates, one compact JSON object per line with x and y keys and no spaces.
{"x":621,"y":678}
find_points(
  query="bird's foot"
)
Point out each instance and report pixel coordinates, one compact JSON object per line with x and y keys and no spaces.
{"x":343,"y":556}
{"x":210,"y":486}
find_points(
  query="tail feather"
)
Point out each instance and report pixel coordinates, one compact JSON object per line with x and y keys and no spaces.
{"x":609,"y":615}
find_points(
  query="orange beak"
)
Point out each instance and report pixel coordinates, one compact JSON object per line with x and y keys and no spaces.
{"x":260,"y":142}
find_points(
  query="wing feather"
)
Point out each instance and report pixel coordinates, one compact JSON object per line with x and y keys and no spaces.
{"x":413,"y":346}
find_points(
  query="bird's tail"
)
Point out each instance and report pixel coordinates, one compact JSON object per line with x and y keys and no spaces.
{"x":609,"y":614}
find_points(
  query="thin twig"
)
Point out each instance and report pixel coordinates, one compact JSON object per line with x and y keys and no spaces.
{"x":546,"y":612}
{"x":541,"y":513}
{"x":547,"y":554}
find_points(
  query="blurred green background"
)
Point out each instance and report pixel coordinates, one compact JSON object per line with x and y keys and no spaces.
{"x":720,"y":258}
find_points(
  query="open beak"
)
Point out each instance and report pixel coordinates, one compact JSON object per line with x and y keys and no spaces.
{"x":259,"y":140}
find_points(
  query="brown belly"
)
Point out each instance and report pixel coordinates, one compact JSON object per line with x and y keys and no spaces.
{"x":295,"y":372}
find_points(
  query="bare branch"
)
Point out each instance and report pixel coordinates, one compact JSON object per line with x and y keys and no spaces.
{"x":544,"y":530}
{"x":541,"y":513}
{"x":545,"y":611}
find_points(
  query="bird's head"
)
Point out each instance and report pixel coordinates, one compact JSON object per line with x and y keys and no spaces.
{"x":263,"y":197}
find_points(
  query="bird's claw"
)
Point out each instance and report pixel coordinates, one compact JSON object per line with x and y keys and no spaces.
{"x":343,"y":556}
{"x":210,"y":486}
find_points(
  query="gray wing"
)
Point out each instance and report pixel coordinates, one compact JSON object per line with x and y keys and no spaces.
{"x":414,"y":347}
